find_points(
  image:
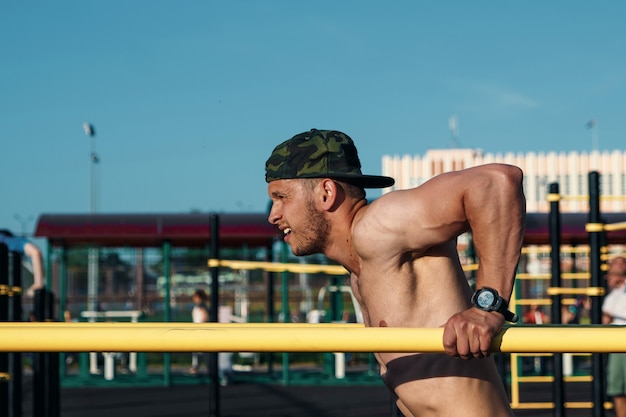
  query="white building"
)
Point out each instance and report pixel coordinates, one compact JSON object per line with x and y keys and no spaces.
{"x":569,"y":170}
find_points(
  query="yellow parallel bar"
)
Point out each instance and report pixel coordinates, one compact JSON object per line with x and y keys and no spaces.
{"x":548,"y":378}
{"x":159,"y":324}
{"x":594,"y":227}
{"x":576,"y":275}
{"x":525,"y":275}
{"x":591,"y":291}
{"x":531,"y":301}
{"x":172,"y":337}
{"x":278,"y":267}
{"x":553,"y":197}
{"x":291,"y":267}
{"x":583,"y":197}
{"x":10,"y":290}
{"x":532,"y":405}
{"x":550,"y":405}
{"x":599,"y":227}
{"x":615,"y":226}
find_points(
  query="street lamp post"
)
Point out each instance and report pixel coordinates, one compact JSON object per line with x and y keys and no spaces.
{"x":92,"y":270}
{"x":23,"y":222}
{"x":595,"y":140}
{"x":592,"y":125}
{"x":93,"y":159}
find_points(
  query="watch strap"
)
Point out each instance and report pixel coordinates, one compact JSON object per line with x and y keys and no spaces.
{"x":500,"y":305}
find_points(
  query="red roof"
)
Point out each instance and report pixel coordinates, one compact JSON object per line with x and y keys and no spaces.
{"x":572,"y":228}
{"x":193,"y":229}
{"x":150,"y":230}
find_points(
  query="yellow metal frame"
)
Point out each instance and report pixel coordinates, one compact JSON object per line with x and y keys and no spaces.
{"x":213,"y":337}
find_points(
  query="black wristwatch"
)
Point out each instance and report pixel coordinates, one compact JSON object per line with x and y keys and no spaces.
{"x":488,"y":299}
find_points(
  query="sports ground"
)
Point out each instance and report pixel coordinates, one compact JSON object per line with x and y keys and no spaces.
{"x":254,"y":400}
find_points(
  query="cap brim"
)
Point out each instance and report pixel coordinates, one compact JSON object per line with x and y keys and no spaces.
{"x":366,"y":181}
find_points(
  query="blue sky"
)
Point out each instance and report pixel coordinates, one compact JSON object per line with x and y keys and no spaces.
{"x":188,"y":98}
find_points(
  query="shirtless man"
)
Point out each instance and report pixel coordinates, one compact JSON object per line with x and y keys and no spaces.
{"x":404,"y":266}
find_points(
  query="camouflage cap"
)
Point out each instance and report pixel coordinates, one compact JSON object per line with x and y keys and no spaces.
{"x":321,"y":154}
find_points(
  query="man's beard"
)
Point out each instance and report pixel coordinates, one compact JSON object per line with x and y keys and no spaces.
{"x":315,"y":237}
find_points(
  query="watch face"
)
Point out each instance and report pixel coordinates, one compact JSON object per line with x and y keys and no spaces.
{"x":485,"y":299}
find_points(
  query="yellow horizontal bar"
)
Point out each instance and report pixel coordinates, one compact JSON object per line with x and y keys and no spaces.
{"x":553,"y":197}
{"x":615,"y":226}
{"x":584,"y":197}
{"x":531,"y":301}
{"x":151,"y":324}
{"x":575,"y":197}
{"x":532,"y":406}
{"x":550,"y":405}
{"x":470,"y":267}
{"x":591,"y":291}
{"x":546,"y":249}
{"x":546,"y":276}
{"x":10,"y":290}
{"x":278,"y":267}
{"x":210,"y":337}
{"x":525,"y":275}
{"x":599,"y":227}
{"x":536,"y":378}
{"x":576,"y":275}
{"x":548,"y":378}
{"x":292,"y":267}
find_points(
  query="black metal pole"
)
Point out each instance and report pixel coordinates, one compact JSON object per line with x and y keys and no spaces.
{"x":554,"y":219}
{"x":269,"y":305}
{"x":46,"y":375}
{"x":52,"y":369}
{"x":4,"y":316}
{"x":15,"y":315}
{"x":39,"y":358}
{"x":595,"y":247}
{"x":214,"y":396}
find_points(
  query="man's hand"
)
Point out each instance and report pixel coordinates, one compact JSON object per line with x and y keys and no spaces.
{"x":468,"y":334}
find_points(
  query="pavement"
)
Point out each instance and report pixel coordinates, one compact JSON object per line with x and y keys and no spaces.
{"x":275,"y":400}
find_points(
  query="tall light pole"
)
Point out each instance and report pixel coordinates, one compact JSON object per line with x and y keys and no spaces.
{"x":92,"y":269}
{"x":453,"y":125}
{"x":23,"y":222}
{"x":595,"y":143}
{"x":595,"y":140}
{"x":90,"y":131}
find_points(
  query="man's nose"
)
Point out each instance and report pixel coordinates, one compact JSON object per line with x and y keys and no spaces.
{"x":273,"y":216}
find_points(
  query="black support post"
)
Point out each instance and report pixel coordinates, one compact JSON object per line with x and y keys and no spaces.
{"x":595,"y":247}
{"x":46,"y":375}
{"x":214,"y":397}
{"x":15,"y":315}
{"x":5,"y":376}
{"x":554,"y":219}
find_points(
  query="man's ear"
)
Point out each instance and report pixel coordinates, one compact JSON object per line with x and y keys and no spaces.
{"x":330,"y":194}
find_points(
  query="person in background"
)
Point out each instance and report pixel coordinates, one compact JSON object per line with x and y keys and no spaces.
{"x":199,"y":314}
{"x":70,"y":357}
{"x":584,"y":309}
{"x":25,"y":247}
{"x":535,"y":315}
{"x":613,"y":277}
{"x":614,"y":312}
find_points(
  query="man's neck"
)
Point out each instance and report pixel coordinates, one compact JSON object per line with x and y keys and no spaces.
{"x":340,"y":247}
